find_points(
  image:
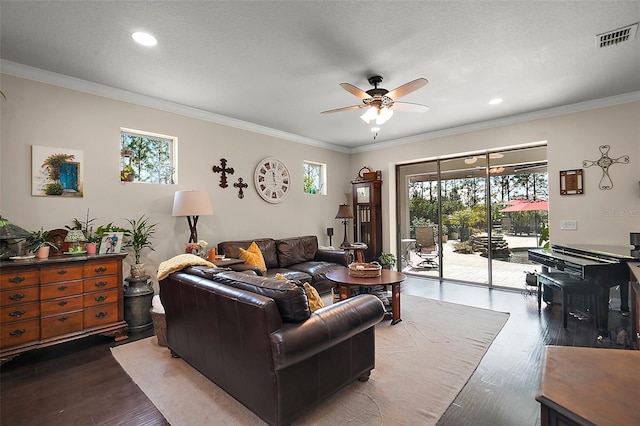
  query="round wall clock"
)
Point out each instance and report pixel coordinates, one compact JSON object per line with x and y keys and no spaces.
{"x":272,"y":180}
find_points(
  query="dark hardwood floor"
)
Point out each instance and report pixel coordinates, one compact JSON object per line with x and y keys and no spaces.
{"x":80,"y":383}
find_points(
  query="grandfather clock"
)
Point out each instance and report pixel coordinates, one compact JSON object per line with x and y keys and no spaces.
{"x":367,"y":222}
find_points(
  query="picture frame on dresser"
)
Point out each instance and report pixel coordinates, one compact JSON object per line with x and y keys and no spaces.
{"x":111,"y":243}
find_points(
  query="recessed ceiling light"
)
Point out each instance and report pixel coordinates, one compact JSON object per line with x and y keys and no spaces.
{"x":495,"y":101}
{"x":144,"y":39}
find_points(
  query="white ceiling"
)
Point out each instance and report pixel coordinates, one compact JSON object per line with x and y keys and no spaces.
{"x":278,"y":63}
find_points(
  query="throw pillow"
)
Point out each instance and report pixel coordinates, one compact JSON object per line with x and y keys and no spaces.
{"x":253,"y":257}
{"x":315,"y":301}
{"x":280,"y":276}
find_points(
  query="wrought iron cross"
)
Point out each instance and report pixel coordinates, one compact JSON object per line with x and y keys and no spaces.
{"x":605,"y":162}
{"x":240,"y":185}
{"x":224,"y":170}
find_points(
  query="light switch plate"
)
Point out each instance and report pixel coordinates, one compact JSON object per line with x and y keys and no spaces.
{"x":569,"y":224}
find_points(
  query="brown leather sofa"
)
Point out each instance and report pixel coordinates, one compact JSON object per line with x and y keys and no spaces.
{"x":256,"y":338}
{"x":297,"y":258}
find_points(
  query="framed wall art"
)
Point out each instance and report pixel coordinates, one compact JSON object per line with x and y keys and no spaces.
{"x":56,"y":172}
{"x":571,"y":182}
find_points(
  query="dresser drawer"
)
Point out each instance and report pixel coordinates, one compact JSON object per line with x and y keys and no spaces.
{"x":59,"y":325}
{"x":60,"y":306}
{"x":19,"y":333}
{"x":100,"y":283}
{"x":19,"y":312}
{"x":53,"y":291}
{"x":19,"y":296}
{"x":61,"y":273}
{"x":101,"y":269}
{"x":100,"y":298}
{"x":16,"y":279}
{"x":100,"y":315}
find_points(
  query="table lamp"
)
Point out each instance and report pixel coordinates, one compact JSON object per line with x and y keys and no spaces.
{"x":344,"y":213}
{"x":192,"y":204}
{"x":9,"y":231}
{"x":76,"y":238}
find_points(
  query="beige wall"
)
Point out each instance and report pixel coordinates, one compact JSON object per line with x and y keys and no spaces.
{"x":603,"y":216}
{"x":42,"y":114}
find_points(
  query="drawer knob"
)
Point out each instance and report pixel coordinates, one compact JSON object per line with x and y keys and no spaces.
{"x":100,"y":270}
{"x":17,"y":280}
{"x":100,"y":284}
{"x":18,"y":332}
{"x":17,"y":296}
{"x":100,"y":298}
{"x":62,"y":303}
{"x":62,"y":319}
{"x":101,"y":314}
{"x":17,"y":314}
{"x":62,"y":271}
{"x":62,"y":288}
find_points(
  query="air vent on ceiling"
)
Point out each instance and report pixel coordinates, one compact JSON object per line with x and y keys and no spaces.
{"x":617,"y":36}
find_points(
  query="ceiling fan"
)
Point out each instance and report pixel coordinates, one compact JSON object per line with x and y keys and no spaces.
{"x":382,"y":102}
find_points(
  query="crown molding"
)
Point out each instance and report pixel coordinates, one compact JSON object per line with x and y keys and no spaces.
{"x":36,"y":74}
{"x":60,"y":80}
{"x":505,"y":121}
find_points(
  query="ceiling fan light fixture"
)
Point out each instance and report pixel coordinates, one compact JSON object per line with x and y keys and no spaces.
{"x":375,"y":129}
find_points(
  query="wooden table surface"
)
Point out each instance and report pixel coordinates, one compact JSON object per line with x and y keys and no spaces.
{"x":591,"y":385}
{"x":387,"y":277}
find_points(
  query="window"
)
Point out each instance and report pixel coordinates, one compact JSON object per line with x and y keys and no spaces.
{"x":315,"y":178}
{"x":147,"y":157}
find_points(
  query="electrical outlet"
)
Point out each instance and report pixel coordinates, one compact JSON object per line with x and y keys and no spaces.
{"x":569,"y":224}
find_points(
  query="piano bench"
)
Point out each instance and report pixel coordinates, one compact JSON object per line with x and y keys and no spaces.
{"x":568,"y":285}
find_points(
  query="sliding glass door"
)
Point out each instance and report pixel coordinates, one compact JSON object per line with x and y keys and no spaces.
{"x":472,"y":218}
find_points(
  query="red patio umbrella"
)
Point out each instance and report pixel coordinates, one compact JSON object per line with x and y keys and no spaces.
{"x":526,"y":205}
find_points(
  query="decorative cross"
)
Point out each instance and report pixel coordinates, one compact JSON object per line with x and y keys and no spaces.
{"x":605,"y":162}
{"x":224,"y":170}
{"x":240,"y":185}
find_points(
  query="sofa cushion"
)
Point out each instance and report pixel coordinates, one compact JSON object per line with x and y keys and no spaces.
{"x":267,"y":248}
{"x":290,"y":298}
{"x":289,"y":274}
{"x":296,"y":250}
{"x":253,"y":257}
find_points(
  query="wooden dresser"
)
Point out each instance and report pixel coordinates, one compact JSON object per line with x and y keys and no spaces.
{"x":46,"y":302}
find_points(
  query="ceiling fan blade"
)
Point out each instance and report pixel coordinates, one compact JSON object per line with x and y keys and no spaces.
{"x":355,"y":91}
{"x":407,"y":88}
{"x":343,"y":109}
{"x":406,"y":106}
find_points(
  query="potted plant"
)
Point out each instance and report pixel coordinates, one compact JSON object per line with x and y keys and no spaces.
{"x":387,"y":260}
{"x":37,"y":242}
{"x":138,"y":238}
{"x":127,"y":174}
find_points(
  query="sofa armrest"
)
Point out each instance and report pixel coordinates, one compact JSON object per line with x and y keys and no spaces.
{"x":340,"y":257}
{"x":326,"y":328}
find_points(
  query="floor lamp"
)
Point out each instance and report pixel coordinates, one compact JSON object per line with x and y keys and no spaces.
{"x":344,"y":213}
{"x":192,"y":204}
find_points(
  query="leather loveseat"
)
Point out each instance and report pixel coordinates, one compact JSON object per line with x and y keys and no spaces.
{"x":297,"y":258}
{"x":256,"y":338}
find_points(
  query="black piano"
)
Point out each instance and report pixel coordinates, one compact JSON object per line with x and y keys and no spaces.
{"x":604,"y":266}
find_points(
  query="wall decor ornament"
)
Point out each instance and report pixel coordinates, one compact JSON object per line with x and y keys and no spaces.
{"x":605,"y":162}
{"x":571,"y":182}
{"x":272,"y":180}
{"x":240,"y":185}
{"x":223,"y":169}
{"x":56,"y":172}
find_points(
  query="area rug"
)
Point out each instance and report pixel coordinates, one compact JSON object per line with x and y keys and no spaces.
{"x":422,"y":363}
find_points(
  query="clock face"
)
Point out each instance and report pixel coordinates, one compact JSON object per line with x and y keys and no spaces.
{"x":272,"y":180}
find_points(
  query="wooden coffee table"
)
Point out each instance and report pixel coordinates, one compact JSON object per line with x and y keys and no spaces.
{"x":387,"y":277}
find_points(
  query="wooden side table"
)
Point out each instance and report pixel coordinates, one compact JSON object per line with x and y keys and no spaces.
{"x":358,"y":251}
{"x":589,"y":386}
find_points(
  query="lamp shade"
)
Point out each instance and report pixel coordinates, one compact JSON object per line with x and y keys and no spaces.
{"x":74,"y":236}
{"x":191,"y":203}
{"x":9,"y":231}
{"x":344,"y":212}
